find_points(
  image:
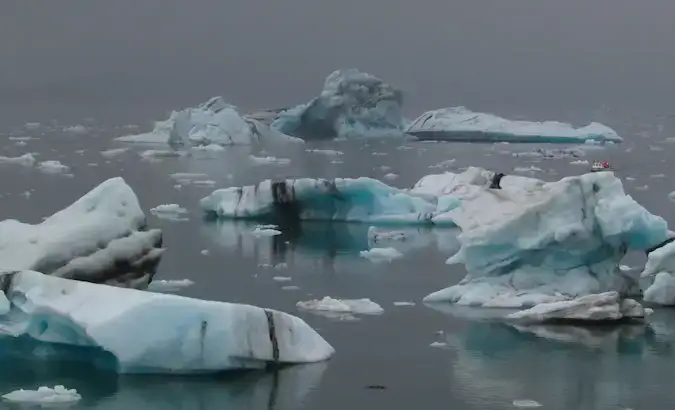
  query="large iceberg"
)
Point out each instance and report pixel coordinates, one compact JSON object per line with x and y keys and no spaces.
{"x":213,"y":122}
{"x":102,"y":237}
{"x":462,"y":124}
{"x":155,"y":333}
{"x":547,"y":242}
{"x":351,"y":104}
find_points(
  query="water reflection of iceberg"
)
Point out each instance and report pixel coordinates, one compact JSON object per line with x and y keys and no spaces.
{"x":563,"y":367}
{"x":321,"y":240}
{"x":20,"y":367}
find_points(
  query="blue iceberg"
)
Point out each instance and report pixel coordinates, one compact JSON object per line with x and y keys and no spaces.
{"x":461,"y":124}
{"x":351,"y":104}
{"x":152,"y":332}
{"x":213,"y":122}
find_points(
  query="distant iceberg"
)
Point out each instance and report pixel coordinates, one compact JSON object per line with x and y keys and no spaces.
{"x":157,"y":333}
{"x":351,"y":104}
{"x":461,"y":124}
{"x":102,"y":237}
{"x":213,"y":122}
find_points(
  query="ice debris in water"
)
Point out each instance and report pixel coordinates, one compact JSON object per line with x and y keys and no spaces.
{"x":552,"y":153}
{"x":44,"y":395}
{"x":352,"y":104}
{"x":357,"y":306}
{"x":169,"y":334}
{"x":213,"y":122}
{"x":671,"y":196}
{"x":53,"y":167}
{"x":76,"y":129}
{"x":266,"y":230}
{"x":154,"y":154}
{"x":328,"y":152}
{"x":269,"y":160}
{"x":113,"y":152}
{"x":526,"y":404}
{"x":529,"y":169}
{"x":169,"y":211}
{"x":173,"y":285}
{"x":381,"y":254}
{"x":27,"y":160}
{"x":376,"y":236}
{"x":460,"y":123}
{"x":404,"y":303}
{"x":209,"y":148}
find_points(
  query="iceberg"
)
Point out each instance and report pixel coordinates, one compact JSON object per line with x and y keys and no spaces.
{"x":170,"y":334}
{"x":102,"y":237}
{"x":351,"y":104}
{"x":213,"y":122}
{"x":43,"y":395}
{"x":541,"y":242}
{"x":462,"y":124}
{"x":661,"y":265}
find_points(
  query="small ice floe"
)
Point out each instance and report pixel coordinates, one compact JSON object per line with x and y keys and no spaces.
{"x":163,"y":286}
{"x":290,"y":287}
{"x":53,"y":167}
{"x":630,"y":179}
{"x":379,"y":154}
{"x":336,"y":161}
{"x":330,"y":152}
{"x":376,"y":236}
{"x":657,"y":176}
{"x":156,"y":154}
{"x":266,"y":230}
{"x":625,"y":268}
{"x":444,"y":164}
{"x":529,"y":169}
{"x":390,"y":176}
{"x":269,"y":160}
{"x":526,"y":404}
{"x":579,"y":162}
{"x":204,"y":183}
{"x":76,"y":129}
{"x":404,"y":303}
{"x":341,"y":307}
{"x":384,"y":168}
{"x":172,"y":212}
{"x":110,"y":153}
{"x":381,"y":254}
{"x":187,"y":177}
{"x":281,"y":265}
{"x":438,"y":344}
{"x":32,"y":125}
{"x":670,"y":140}
{"x":205,"y":252}
{"x":43,"y":395}
{"x":27,"y":160}
{"x":655,"y":148}
{"x":642,"y":188}
{"x":209,"y":148}
{"x":671,"y":196}
{"x":282,"y":278}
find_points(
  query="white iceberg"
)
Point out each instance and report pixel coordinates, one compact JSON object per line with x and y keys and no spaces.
{"x":606,"y":306}
{"x":153,"y":332}
{"x":213,"y":122}
{"x":27,"y":160}
{"x":377,"y":255}
{"x":661,"y":265}
{"x":102,"y":237}
{"x":351,"y":104}
{"x":462,"y":124}
{"x":545,"y":242}
{"x":362,"y":306}
{"x":43,"y":395}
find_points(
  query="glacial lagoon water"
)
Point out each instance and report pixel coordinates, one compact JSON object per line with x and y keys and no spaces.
{"x":112,"y":67}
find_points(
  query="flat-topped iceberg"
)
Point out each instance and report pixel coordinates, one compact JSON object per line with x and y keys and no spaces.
{"x":548,"y":242}
{"x":152,"y":332}
{"x":462,"y":124}
{"x":102,"y":237}
{"x":351,"y":104}
{"x":213,"y":122}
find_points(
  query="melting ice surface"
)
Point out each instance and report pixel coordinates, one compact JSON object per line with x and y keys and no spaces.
{"x":213,"y":122}
{"x":351,"y":104}
{"x":461,"y":124}
{"x":171,"y":334}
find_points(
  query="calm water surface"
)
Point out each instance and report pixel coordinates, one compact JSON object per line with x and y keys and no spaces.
{"x":114,"y":64}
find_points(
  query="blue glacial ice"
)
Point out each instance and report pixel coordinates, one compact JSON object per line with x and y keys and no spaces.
{"x":213,"y":122}
{"x":157,"y":333}
{"x":548,"y":242}
{"x":351,"y":104}
{"x":462,"y":124}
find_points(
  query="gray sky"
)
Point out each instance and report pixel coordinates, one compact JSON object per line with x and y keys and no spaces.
{"x":484,"y":54}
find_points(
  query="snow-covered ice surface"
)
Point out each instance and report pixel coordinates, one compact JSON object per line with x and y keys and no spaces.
{"x":539,"y":242}
{"x":341,"y":308}
{"x":352,"y":104}
{"x":462,"y":124}
{"x":173,"y":212}
{"x":170,"y":334}
{"x":44,"y":395}
{"x":102,"y":237}
{"x":213,"y":122}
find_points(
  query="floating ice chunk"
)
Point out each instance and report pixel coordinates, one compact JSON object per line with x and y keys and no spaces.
{"x":671,"y":196}
{"x":32,"y":125}
{"x":290,"y":287}
{"x":100,"y":237}
{"x":357,"y":306}
{"x":381,"y":254}
{"x":438,"y":344}
{"x":579,"y":162}
{"x":529,"y":169}
{"x":269,"y":160}
{"x":76,"y":129}
{"x":461,"y":124}
{"x":160,"y":153}
{"x":209,"y":148}
{"x":657,"y":176}
{"x":44,"y":395}
{"x":535,"y":243}
{"x":375,"y":236}
{"x":187,"y":176}
{"x":27,"y":160}
{"x":110,"y":153}
{"x":261,"y":231}
{"x":282,"y":278}
{"x":213,"y":122}
{"x":351,"y":104}
{"x":329,"y":152}
{"x":390,"y":176}
{"x":662,"y":290}
{"x":552,"y":153}
{"x":599,"y":307}
{"x":169,"y":285}
{"x":53,"y":167}
{"x":171,"y":334}
{"x":444,"y":164}
{"x":169,"y":211}
{"x":404,"y":303}
{"x":526,"y":404}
